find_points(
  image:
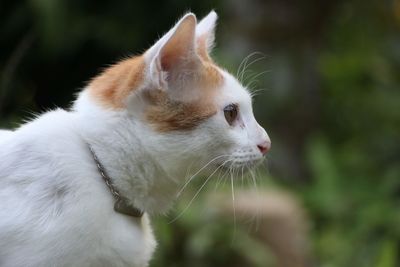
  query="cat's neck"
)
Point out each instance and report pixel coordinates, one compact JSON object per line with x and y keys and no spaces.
{"x":141,"y":170}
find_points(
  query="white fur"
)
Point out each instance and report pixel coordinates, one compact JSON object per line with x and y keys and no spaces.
{"x":206,"y":27}
{"x":4,"y":134}
{"x":55,"y":209}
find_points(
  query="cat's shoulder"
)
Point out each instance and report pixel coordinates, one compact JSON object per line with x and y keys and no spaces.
{"x":41,"y":126}
{"x":5,"y":134}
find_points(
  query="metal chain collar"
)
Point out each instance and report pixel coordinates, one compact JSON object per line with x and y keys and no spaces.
{"x":121,"y":204}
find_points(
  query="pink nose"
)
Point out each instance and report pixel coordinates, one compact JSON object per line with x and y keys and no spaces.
{"x":264,"y":147}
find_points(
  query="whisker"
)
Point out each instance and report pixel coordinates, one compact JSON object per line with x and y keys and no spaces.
{"x":247,"y":65}
{"x":242,"y":176}
{"x":257,"y":215}
{"x":244,"y":62}
{"x":234,"y":209}
{"x":196,"y":194}
{"x":194,"y":175}
{"x":255,"y":91}
{"x":256,"y":75}
{"x":244,"y":65}
{"x":220,"y":178}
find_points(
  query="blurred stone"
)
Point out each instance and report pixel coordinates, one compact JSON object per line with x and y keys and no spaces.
{"x":282,"y":223}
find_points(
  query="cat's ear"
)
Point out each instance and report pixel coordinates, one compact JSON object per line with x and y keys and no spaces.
{"x":205,"y":34}
{"x":174,"y":55}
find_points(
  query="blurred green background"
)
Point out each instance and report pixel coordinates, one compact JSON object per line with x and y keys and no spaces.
{"x":328,"y":79}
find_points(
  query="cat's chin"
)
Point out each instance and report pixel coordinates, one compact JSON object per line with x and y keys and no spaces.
{"x":242,"y":166}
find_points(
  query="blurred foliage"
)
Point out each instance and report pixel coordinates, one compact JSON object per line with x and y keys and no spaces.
{"x":331,"y":105}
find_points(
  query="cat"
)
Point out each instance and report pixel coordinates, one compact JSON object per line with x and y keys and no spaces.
{"x":78,"y":186}
{"x":4,"y":133}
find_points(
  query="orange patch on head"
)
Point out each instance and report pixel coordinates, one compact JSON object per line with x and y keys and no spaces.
{"x":167,"y":114}
{"x":211,"y":76}
{"x":112,"y":87}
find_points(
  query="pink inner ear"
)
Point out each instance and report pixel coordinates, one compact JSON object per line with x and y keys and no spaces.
{"x":202,"y":48}
{"x":173,"y":55}
{"x":179,"y":49}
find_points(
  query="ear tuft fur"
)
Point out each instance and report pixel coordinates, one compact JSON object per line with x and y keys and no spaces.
{"x":205,"y":34}
{"x":174,"y":55}
{"x":180,"y":46}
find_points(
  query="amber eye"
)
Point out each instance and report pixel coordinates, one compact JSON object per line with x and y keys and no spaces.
{"x":231,"y":112}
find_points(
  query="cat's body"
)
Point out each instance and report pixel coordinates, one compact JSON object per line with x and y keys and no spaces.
{"x":55,"y":208}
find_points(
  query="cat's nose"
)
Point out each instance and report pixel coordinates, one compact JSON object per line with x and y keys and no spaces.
{"x":263,"y":142}
{"x":264,"y":147}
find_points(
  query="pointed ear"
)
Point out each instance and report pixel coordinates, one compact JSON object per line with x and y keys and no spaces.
{"x":205,"y":34}
{"x":174,"y":55}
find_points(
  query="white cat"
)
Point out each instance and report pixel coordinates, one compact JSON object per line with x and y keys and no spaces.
{"x":129,"y":138}
{"x":4,"y":133}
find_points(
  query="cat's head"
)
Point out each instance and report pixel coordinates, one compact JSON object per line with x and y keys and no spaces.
{"x":192,"y":109}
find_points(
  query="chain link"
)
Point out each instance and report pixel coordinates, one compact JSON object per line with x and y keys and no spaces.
{"x":120,"y":204}
{"x":104,"y":175}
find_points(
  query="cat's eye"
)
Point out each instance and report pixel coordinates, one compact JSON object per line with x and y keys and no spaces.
{"x":231,"y":113}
